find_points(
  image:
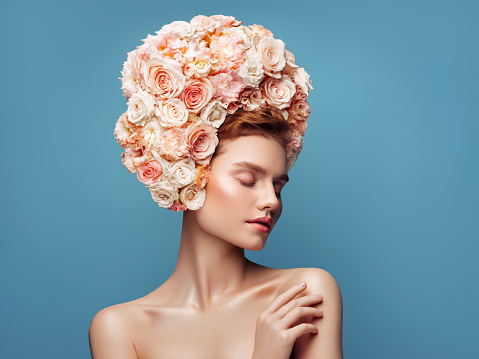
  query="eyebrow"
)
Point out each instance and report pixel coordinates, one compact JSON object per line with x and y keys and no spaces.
{"x":259,"y":169}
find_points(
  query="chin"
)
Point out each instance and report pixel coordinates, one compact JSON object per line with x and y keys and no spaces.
{"x":256,"y":245}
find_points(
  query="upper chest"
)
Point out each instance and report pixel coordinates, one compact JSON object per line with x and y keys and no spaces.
{"x":223,"y":332}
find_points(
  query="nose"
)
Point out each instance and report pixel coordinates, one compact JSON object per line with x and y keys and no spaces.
{"x":268,"y":199}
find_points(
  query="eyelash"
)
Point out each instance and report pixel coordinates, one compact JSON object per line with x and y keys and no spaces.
{"x":249,"y":184}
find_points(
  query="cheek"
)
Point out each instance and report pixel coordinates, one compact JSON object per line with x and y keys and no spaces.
{"x":222,"y":193}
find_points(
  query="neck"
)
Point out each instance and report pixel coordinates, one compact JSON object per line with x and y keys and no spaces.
{"x":208,"y":268}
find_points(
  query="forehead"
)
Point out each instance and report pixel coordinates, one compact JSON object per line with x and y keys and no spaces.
{"x":257,"y":149}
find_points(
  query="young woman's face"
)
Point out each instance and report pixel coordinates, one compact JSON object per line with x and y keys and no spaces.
{"x":243,"y":194}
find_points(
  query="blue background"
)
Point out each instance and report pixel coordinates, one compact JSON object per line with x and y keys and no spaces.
{"x":384,"y":196}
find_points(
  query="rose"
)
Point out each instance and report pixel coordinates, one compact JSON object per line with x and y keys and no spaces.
{"x":198,"y":65}
{"x":182,"y":173}
{"x":174,"y":144}
{"x":202,"y":141}
{"x":163,"y":194}
{"x":182,"y":28}
{"x":197,"y":93}
{"x":202,"y":175}
{"x":164,"y":77}
{"x":176,"y":207}
{"x":172,"y":112}
{"x":278,"y":92}
{"x":252,"y":99}
{"x":134,"y":158}
{"x":126,"y":133}
{"x":301,"y":78}
{"x":150,"y":172}
{"x":271,"y":54}
{"x":214,"y":113}
{"x":296,"y":150}
{"x":193,"y":196}
{"x":251,"y":70}
{"x":140,"y":108}
{"x":150,"y":136}
{"x":294,"y":143}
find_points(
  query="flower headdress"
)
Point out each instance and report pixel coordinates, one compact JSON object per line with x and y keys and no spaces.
{"x":183,"y":82}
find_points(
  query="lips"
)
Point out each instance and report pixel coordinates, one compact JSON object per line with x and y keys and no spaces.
{"x":262,"y":224}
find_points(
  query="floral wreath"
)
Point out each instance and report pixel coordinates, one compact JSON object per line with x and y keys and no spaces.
{"x":183,"y":82}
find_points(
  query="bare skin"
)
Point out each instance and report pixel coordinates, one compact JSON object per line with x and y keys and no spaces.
{"x":218,"y":304}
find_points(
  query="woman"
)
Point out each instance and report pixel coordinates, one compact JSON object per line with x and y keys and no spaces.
{"x":218,"y":304}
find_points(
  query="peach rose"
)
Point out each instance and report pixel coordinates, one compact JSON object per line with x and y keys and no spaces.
{"x":163,"y":194}
{"x":164,"y":77}
{"x":271,"y":54}
{"x":172,"y":113}
{"x":174,"y":144}
{"x":193,"y":197}
{"x":278,"y":92}
{"x":151,"y":134}
{"x":140,"y":108}
{"x":202,"y":140}
{"x":150,"y":172}
{"x":202,"y":175}
{"x":197,"y":93}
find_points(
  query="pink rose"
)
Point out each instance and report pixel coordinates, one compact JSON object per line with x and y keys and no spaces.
{"x":197,"y":93}
{"x":271,"y":55}
{"x":176,"y":207}
{"x":278,"y":92}
{"x":299,"y":108}
{"x":202,"y":141}
{"x":150,"y":172}
{"x":174,"y":145}
{"x":294,"y":143}
{"x":164,"y":77}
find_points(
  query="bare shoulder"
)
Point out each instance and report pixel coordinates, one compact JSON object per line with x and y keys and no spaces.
{"x":318,"y":280}
{"x":111,"y":331}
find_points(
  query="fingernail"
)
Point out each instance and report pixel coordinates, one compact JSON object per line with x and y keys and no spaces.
{"x":302,"y":285}
{"x":318,"y":296}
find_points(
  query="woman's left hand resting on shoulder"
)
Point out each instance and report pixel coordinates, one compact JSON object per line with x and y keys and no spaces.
{"x":292,"y":321}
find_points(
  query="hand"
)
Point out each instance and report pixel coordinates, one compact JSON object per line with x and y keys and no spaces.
{"x":278,"y":327}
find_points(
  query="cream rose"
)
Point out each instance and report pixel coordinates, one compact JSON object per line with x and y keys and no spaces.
{"x":278,"y":92}
{"x":140,"y":108}
{"x":214,"y":113}
{"x":197,"y":93}
{"x":251,"y":70}
{"x":151,"y":134}
{"x":163,"y":194}
{"x":301,"y":78}
{"x":193,"y":197}
{"x":164,"y":77}
{"x":172,"y":113}
{"x":202,"y":140}
{"x":182,"y":173}
{"x":271,"y":54}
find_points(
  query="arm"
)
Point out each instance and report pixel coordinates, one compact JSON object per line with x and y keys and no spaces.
{"x":328,"y":342}
{"x":109,"y":338}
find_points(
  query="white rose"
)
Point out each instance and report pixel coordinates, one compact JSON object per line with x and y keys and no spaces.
{"x":163,"y":194}
{"x":182,"y":28}
{"x":251,"y":70}
{"x":164,"y":77}
{"x":172,"y":112}
{"x":151,"y":134}
{"x":182,"y":172}
{"x":271,"y":54}
{"x":193,"y":196}
{"x":279,"y":92}
{"x":214,"y":113}
{"x":301,"y":78}
{"x":140,"y":108}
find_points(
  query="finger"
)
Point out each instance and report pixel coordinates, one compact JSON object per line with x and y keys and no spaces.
{"x":298,"y":313}
{"x":285,"y":298}
{"x":301,"y":329}
{"x":305,"y":301}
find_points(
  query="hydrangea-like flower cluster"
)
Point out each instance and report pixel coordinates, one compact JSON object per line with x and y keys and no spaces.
{"x":183,"y":82}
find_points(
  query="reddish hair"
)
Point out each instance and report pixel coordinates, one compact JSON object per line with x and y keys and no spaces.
{"x":267,"y":122}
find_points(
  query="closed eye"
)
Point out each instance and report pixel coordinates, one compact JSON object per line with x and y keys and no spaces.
{"x":244,"y":183}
